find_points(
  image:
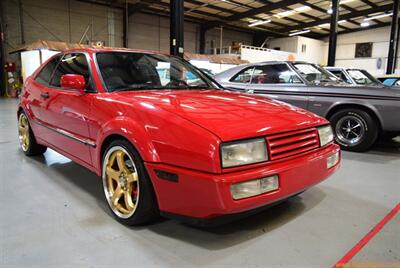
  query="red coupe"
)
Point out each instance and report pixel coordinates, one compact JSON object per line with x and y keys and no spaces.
{"x":166,"y":139}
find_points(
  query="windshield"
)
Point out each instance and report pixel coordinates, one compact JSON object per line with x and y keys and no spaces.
{"x":123,"y":71}
{"x":315,"y":74}
{"x":362,"y":77}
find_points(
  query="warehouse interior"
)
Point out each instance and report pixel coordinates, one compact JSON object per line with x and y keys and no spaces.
{"x":53,"y":211}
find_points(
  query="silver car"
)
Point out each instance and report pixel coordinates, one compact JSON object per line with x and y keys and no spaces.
{"x":358,"y":114}
{"x":355,"y":76}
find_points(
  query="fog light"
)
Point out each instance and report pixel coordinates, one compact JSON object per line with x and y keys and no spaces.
{"x":255,"y":187}
{"x":332,"y":160}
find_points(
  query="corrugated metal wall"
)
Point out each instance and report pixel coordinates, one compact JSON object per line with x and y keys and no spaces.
{"x":66,"y":20}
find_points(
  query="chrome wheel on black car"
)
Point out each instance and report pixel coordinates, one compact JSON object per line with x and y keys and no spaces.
{"x":350,"y":129}
{"x":355,"y":129}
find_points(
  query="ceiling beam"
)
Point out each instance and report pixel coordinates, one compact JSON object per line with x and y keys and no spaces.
{"x":347,"y":16}
{"x":354,"y":10}
{"x":369,"y":3}
{"x":384,"y":24}
{"x":255,"y":11}
{"x":193,"y":19}
{"x":134,"y":8}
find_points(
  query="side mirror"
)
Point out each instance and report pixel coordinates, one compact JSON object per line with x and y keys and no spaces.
{"x":73,"y":81}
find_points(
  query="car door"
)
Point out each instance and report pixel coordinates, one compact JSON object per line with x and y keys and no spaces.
{"x":278,"y":81}
{"x":66,"y":112}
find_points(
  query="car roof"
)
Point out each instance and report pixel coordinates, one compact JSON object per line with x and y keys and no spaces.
{"x":333,"y":68}
{"x":111,"y":49}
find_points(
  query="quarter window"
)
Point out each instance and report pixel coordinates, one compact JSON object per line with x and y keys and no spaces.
{"x":274,"y":74}
{"x":45,"y":74}
{"x":243,"y":76}
{"x":72,"y":63}
{"x":341,"y":75}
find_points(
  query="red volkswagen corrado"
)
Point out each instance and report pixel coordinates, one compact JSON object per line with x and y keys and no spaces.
{"x":167,"y":140}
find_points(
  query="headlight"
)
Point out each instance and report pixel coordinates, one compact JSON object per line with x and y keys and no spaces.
{"x":325,"y":135}
{"x":254,"y":187}
{"x":244,"y":152}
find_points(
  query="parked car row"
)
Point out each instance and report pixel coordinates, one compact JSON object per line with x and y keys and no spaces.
{"x":359,"y":111}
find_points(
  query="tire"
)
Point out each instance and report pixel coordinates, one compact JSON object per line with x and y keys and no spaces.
{"x":355,"y":130}
{"x":27,"y":139}
{"x":127,"y":187}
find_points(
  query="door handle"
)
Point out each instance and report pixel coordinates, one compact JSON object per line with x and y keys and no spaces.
{"x":44,"y":95}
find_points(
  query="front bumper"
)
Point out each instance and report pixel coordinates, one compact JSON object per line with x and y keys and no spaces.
{"x":202,"y":195}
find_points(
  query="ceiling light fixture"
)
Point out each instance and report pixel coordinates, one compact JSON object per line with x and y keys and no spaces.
{"x":259,"y":23}
{"x":378,"y":16}
{"x":297,"y":33}
{"x":364,"y":24}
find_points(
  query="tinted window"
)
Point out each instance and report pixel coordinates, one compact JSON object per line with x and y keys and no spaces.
{"x":131,"y":70}
{"x":274,"y":74}
{"x":73,"y":63}
{"x":45,"y":74}
{"x":243,"y":76}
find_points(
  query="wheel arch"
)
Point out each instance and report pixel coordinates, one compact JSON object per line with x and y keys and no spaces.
{"x":365,"y":108}
{"x":126,"y":129}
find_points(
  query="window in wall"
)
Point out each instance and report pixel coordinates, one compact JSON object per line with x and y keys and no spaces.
{"x":363,"y":50}
{"x":274,"y":74}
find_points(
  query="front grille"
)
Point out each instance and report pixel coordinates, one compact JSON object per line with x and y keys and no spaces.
{"x":292,"y":143}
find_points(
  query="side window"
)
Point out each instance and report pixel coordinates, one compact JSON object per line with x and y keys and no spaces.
{"x":274,"y":74}
{"x":243,"y":76}
{"x":73,"y":63}
{"x":45,"y":74}
{"x":341,"y":75}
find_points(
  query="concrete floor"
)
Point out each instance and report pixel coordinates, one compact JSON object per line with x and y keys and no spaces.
{"x":53,"y":215}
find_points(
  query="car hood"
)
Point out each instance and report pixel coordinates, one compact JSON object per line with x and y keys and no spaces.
{"x":229,"y":115}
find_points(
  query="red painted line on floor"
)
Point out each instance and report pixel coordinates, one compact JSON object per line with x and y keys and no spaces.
{"x":350,"y":254}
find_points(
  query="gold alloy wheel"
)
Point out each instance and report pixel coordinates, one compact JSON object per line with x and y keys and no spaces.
{"x":120,"y":182}
{"x":23,"y":132}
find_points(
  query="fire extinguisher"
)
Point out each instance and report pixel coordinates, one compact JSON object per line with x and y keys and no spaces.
{"x":13,"y":82}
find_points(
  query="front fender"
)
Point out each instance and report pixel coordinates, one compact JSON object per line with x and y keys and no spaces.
{"x":167,"y":139}
{"x":130,"y":130}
